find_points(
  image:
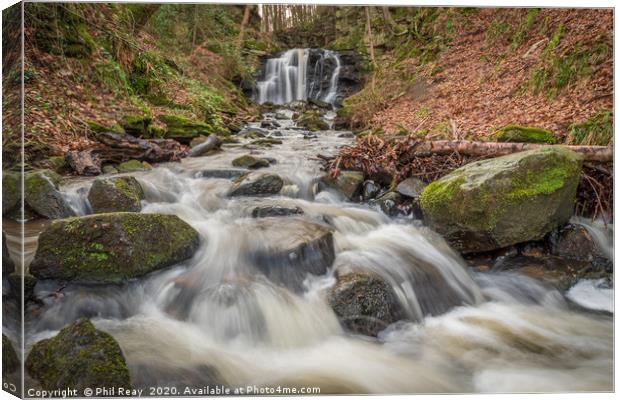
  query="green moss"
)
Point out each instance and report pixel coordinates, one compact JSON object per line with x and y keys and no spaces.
{"x":438,"y":193}
{"x":524,"y":134}
{"x":131,"y":166}
{"x":522,"y":30}
{"x":79,"y":357}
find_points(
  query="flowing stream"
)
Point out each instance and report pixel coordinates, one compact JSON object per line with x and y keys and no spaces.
{"x":216,"y":319}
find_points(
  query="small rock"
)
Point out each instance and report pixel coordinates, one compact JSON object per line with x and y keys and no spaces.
{"x":370,"y":190}
{"x":269,"y":124}
{"x":253,"y":133}
{"x":109,"y":169}
{"x":79,"y":357}
{"x":251,"y":162}
{"x":132,"y":166}
{"x":222,"y":173}
{"x":42,"y":195}
{"x":208,"y":146}
{"x":364,"y":302}
{"x":123,"y":193}
{"x":390,"y":203}
{"x":275,"y":211}
{"x":348,"y":183}
{"x":267,"y":142}
{"x":257,"y":184}
{"x":346,"y":135}
{"x":411,"y":187}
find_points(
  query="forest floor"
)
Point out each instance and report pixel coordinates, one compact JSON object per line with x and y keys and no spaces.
{"x":554,"y":70}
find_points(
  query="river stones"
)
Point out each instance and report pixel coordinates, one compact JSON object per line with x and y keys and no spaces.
{"x":312,"y":121}
{"x":364,"y":302}
{"x":8,"y":265}
{"x":391,"y":203}
{"x":79,"y":357}
{"x":275,"y":211}
{"x":111,"y":248}
{"x":133,"y":166}
{"x":495,"y":203}
{"x":251,"y":162}
{"x":411,"y":187}
{"x":10,"y":362}
{"x":574,"y":242}
{"x":257,"y":184}
{"x":221,"y":173}
{"x":122,"y":193}
{"x":292,"y":248}
{"x":349,"y":183}
{"x":42,"y":195}
{"x":11,"y":191}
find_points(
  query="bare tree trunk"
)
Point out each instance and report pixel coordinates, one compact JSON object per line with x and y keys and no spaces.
{"x":371,"y":47}
{"x":244,"y":22}
{"x":491,"y":149}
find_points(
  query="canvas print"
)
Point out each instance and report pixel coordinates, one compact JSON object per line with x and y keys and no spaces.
{"x":296,"y":199}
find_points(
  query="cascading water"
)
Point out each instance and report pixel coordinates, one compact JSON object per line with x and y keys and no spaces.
{"x":218,"y":319}
{"x":290,"y":78}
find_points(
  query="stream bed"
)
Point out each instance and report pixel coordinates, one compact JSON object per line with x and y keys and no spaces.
{"x":217,"y":319}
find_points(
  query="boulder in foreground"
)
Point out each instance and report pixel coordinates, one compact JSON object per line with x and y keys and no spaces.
{"x":498,"y":202}
{"x":111,"y":248}
{"x":79,"y":357}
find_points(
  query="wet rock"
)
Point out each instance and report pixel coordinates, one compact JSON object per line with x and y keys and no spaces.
{"x":251,"y":162}
{"x":253,"y":133}
{"x":555,"y":271}
{"x":123,"y":193}
{"x":574,"y":242}
{"x":276,"y":211}
{"x":277,"y":134}
{"x":79,"y":357}
{"x":320,"y":104}
{"x":267,"y":124}
{"x":257,"y":184}
{"x":411,"y":187}
{"x":345,"y":134}
{"x":292,"y":248}
{"x":11,"y":191}
{"x":312,"y":121}
{"x":10,"y":362}
{"x":112,"y":248}
{"x":364,"y":302}
{"x":109,"y":170}
{"x":370,"y":190}
{"x":183,"y":129}
{"x":42,"y":195}
{"x":349,"y":183}
{"x":210,"y":145}
{"x":495,"y":203}
{"x":266,"y":142}
{"x":282,"y":115}
{"x":132,"y":166}
{"x":309,"y":136}
{"x":58,"y":164}
{"x":391,"y":203}
{"x":222,"y":173}
{"x":8,"y":265}
{"x":15,"y":287}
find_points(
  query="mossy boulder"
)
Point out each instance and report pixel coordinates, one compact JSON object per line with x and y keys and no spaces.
{"x":364,"y":302}
{"x":349,"y":183}
{"x":312,"y":121}
{"x":42,"y":195}
{"x":184,"y":129}
{"x":123,"y":193}
{"x":8,"y":265}
{"x":265,"y":142}
{"x":132,"y":166}
{"x":253,"y":133}
{"x":251,"y":162}
{"x":495,"y":203}
{"x":111,"y":248}
{"x":79,"y":357}
{"x":11,"y":191}
{"x":10,"y":362}
{"x":256,"y":184}
{"x":96,"y":127}
{"x":524,"y":134}
{"x":136,"y":125}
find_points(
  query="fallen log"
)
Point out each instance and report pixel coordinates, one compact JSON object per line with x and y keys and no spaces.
{"x":492,"y":149}
{"x":117,"y":148}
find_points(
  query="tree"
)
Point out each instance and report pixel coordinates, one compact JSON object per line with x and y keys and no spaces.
{"x":244,"y":22}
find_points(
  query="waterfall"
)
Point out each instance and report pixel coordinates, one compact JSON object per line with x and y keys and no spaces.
{"x":286,"y":78}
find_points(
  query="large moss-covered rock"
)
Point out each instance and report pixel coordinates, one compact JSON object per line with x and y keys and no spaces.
{"x":79,"y":357}
{"x":42,"y":195}
{"x":136,"y":125}
{"x":111,"y":248}
{"x":11,"y":191}
{"x":115,"y":194}
{"x":495,"y":203}
{"x":256,"y":184}
{"x":312,"y":121}
{"x":349,"y":183}
{"x":364,"y":302}
{"x":8,"y":265}
{"x":524,"y":134}
{"x":10,"y":362}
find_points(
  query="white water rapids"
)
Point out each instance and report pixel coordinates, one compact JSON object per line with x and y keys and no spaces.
{"x":216,"y":319}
